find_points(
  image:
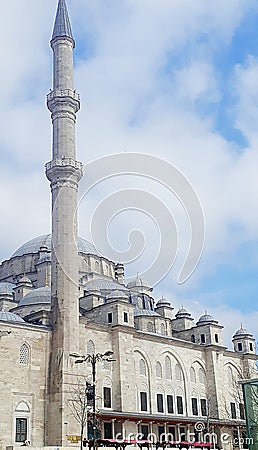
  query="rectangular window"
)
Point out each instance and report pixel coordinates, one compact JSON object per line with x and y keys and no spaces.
{"x":143,"y":399}
{"x":109,"y":318}
{"x":251,"y":346}
{"x":125,"y":317}
{"x":144,"y":431}
{"x":170,"y":404}
{"x":160,"y":407}
{"x":21,"y":430}
{"x":107,"y":397}
{"x":182,"y":435}
{"x":239,"y":346}
{"x":204,"y":406}
{"x":203,"y":338}
{"x":233,"y":410}
{"x":161,"y":433}
{"x":179,"y":403}
{"x":108,"y":430}
{"x":171,"y":434}
{"x":194,"y":407}
{"x":241,"y":411}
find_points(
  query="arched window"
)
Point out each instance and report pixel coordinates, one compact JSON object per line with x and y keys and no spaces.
{"x":158,"y":370}
{"x":150,"y":327}
{"x":24,"y":354}
{"x":142,"y":367}
{"x":97,"y":266}
{"x":22,"y":417}
{"x":192,"y":375}
{"x":163,"y":329}
{"x":178,"y":372}
{"x":201,"y":376}
{"x":90,"y":348}
{"x":106,"y":364}
{"x":230,"y":376}
{"x":168,"y":368}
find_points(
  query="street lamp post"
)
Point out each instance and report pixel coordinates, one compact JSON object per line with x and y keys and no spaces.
{"x":93,"y":359}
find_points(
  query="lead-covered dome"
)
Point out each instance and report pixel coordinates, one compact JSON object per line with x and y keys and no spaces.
{"x":206,"y":318}
{"x":44,"y":242}
{"x":36,"y":296}
{"x":242,"y":332}
{"x":8,"y":316}
{"x":6,"y":288}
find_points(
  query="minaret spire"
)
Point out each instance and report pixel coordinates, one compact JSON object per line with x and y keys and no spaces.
{"x":64,"y":173}
{"x":62,"y":26}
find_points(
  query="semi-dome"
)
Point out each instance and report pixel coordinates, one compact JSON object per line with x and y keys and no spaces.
{"x":8,"y":316}
{"x":36,"y":244}
{"x":6,"y":288}
{"x":36,"y":296}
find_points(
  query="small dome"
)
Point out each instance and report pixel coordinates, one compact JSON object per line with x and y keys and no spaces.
{"x":242,"y":332}
{"x":25,"y":280}
{"x":181,"y":313}
{"x":206,"y":318}
{"x":36,"y":296}
{"x":6,"y":288}
{"x":163,"y":302}
{"x":8,"y":316}
{"x":117,"y":295}
{"x":137,"y":282}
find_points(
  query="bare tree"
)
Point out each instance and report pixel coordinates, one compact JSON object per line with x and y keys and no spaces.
{"x":78,"y":404}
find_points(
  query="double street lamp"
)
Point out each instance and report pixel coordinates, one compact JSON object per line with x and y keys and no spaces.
{"x":93,"y":359}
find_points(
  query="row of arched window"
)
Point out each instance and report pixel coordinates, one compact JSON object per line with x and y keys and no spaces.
{"x":196,"y":375}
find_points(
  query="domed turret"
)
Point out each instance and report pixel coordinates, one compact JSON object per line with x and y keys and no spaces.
{"x":183,"y":320}
{"x":182,"y":313}
{"x":243,"y":341}
{"x":208,"y":330}
{"x":139,"y":285}
{"x":23,"y":287}
{"x":164,"y":308}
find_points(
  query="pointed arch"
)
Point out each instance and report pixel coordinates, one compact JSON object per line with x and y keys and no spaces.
{"x":158,"y":369}
{"x":142,"y":367}
{"x":168,"y":368}
{"x":192,"y":375}
{"x":178,"y":372}
{"x":90,"y":347}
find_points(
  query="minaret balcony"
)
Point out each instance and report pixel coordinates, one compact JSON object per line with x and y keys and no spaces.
{"x":69,"y":96}
{"x":63,"y":93}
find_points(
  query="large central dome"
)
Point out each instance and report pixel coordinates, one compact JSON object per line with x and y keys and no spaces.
{"x":34,"y":245}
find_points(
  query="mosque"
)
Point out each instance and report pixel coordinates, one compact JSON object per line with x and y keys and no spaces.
{"x":59,"y":297}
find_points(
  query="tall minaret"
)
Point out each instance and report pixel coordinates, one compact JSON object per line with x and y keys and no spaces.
{"x":64,"y":173}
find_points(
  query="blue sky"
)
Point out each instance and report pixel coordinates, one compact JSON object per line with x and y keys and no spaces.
{"x":174,"y":79}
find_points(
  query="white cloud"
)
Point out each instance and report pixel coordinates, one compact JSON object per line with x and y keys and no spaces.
{"x":148,"y":63}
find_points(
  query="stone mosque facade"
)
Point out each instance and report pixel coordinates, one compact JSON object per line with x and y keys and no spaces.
{"x":58,"y":297}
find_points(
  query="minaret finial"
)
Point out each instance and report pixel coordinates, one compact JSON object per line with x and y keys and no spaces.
{"x":62,"y":26}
